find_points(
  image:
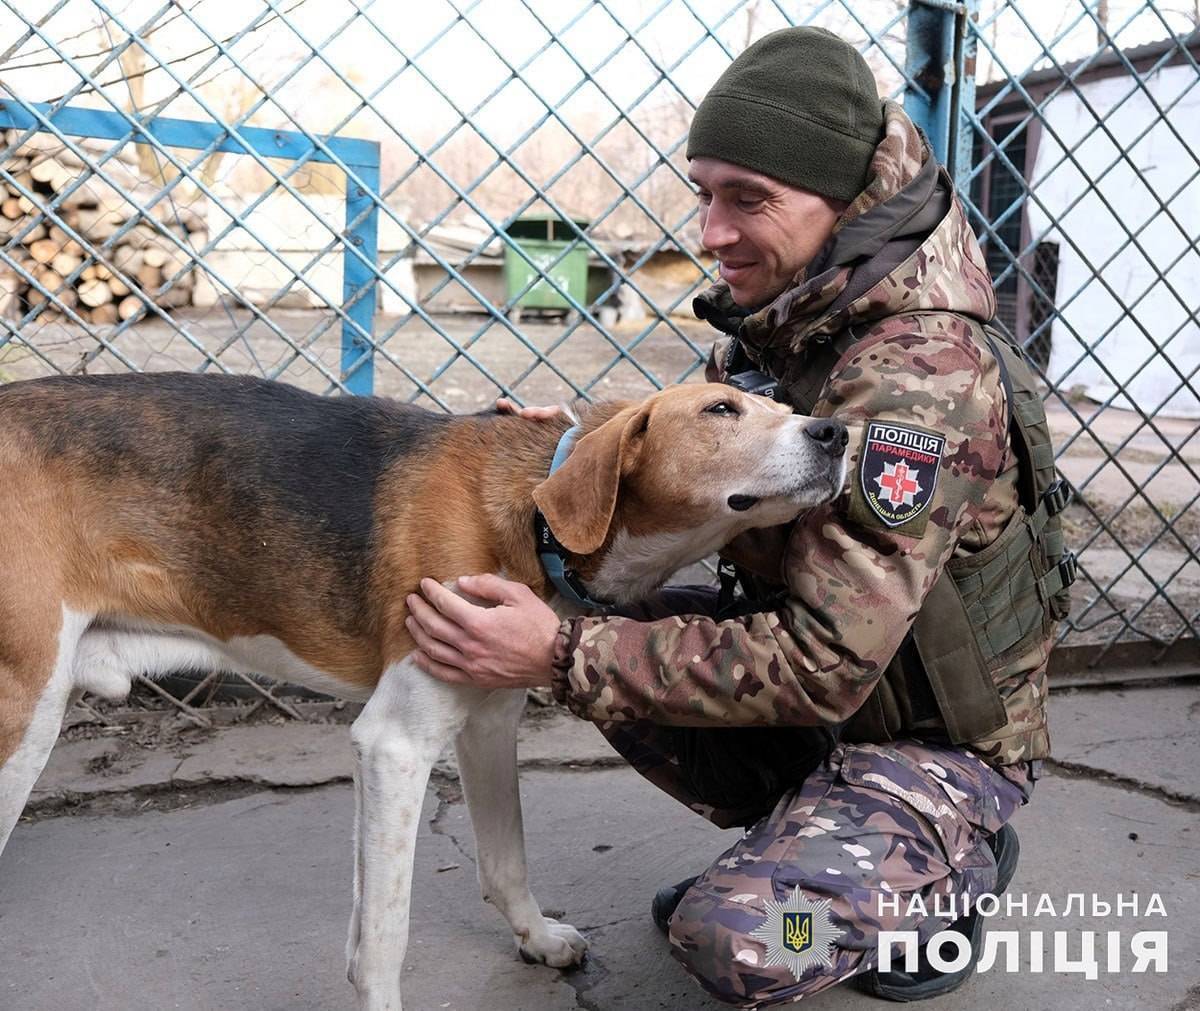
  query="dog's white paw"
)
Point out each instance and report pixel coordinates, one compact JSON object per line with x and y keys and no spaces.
{"x":553,"y":943}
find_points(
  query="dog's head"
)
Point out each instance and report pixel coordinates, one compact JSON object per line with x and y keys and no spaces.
{"x":666,"y":482}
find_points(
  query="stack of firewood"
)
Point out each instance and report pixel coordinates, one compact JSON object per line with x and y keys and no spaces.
{"x":110,"y":281}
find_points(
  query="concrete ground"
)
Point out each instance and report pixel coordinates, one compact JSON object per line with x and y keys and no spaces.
{"x":214,"y":873}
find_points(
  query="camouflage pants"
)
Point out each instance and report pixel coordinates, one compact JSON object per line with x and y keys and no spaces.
{"x":876,"y":822}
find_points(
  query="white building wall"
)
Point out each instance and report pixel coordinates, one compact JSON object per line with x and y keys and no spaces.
{"x":1159,"y":168}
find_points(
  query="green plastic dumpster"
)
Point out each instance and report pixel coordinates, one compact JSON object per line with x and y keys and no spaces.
{"x":543,"y":239}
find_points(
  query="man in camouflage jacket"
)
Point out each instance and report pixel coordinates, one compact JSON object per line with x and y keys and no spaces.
{"x":894,"y":811}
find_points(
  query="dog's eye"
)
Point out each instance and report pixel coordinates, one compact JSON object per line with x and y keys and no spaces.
{"x":721,"y":407}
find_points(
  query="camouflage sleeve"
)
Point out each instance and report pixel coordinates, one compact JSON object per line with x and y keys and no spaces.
{"x":926,"y":414}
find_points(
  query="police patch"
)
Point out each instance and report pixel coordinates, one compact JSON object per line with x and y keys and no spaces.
{"x":898,"y":471}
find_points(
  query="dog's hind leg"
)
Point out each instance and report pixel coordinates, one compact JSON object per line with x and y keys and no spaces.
{"x":28,"y":732}
{"x":487,"y":762}
{"x":403,"y":728}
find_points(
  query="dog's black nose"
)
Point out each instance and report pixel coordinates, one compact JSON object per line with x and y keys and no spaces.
{"x":830,"y":435}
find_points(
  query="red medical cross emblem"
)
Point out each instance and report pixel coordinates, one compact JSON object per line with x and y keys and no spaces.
{"x":897,"y":483}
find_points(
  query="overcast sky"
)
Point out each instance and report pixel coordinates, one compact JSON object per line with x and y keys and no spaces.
{"x":368,"y":44}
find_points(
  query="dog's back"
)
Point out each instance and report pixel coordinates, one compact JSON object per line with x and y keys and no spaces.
{"x":260,"y":486}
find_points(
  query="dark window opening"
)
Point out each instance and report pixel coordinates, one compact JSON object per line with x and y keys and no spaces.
{"x":998,"y":195}
{"x":1041,"y":302}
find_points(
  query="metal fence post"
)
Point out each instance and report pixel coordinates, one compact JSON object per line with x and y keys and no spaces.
{"x":359,"y":279}
{"x":939,"y":65}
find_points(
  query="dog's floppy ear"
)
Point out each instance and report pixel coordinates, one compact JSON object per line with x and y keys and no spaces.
{"x":579,"y":498}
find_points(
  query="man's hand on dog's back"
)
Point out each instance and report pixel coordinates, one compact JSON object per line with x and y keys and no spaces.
{"x":509,"y":644}
{"x":506,"y":406}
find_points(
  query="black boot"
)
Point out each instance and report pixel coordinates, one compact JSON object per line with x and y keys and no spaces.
{"x":926,"y":982}
{"x":666,"y":900}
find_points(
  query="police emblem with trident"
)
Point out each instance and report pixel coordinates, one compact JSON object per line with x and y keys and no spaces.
{"x":797,"y":933}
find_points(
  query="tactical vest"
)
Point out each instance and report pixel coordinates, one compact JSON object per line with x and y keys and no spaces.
{"x":985,"y":608}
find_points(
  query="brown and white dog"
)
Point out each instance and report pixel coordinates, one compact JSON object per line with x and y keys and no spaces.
{"x":152,"y":523}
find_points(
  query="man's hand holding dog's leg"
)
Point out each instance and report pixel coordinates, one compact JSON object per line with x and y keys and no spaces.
{"x":507,"y":645}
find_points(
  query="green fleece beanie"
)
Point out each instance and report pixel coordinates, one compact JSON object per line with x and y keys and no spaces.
{"x":799,"y":105}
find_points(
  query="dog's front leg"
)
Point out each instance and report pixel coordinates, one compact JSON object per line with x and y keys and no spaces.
{"x":487,"y":762}
{"x":397,"y":738}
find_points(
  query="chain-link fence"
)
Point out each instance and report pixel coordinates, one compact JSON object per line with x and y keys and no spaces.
{"x":447,"y":202}
{"x":1085,"y":149}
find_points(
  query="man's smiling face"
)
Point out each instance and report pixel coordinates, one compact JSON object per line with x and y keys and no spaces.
{"x":761,"y":230}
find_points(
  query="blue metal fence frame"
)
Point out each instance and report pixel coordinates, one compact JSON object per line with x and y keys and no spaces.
{"x":939,"y":80}
{"x":359,"y":277}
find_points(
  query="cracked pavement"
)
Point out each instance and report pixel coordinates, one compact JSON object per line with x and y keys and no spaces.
{"x":217,"y":875}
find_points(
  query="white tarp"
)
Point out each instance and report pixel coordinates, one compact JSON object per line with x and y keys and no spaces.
{"x":1157,"y":171}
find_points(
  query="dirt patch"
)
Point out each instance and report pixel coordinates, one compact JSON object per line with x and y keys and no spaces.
{"x":1136,"y":525}
{"x":166,"y":797}
{"x":146,"y":722}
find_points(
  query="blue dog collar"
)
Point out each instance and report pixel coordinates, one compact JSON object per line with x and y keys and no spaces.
{"x":552,"y":554}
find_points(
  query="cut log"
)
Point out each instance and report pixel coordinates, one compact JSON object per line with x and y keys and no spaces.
{"x":204,"y":293}
{"x":130,"y":306}
{"x":148,"y":278}
{"x":11,"y":208}
{"x":127,"y":259}
{"x":177,"y":263}
{"x":95,"y":292}
{"x":44,"y":250}
{"x":139,"y":237}
{"x":94,"y":192}
{"x":154,"y":256}
{"x":48,"y":277}
{"x":173,"y":298}
{"x":35,"y":233}
{"x":60,"y":292}
{"x":11,"y":284}
{"x":43,"y":171}
{"x":118,"y":287}
{"x":65,"y":262}
{"x":19,"y":256}
{"x":65,"y":242}
{"x":103,"y":315}
{"x":96,"y":223}
{"x":63,"y":178}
